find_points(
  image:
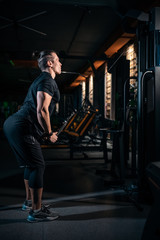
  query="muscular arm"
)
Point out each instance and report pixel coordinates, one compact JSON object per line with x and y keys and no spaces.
{"x":43,"y":102}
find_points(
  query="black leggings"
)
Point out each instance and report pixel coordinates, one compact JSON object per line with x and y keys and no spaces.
{"x":34,"y":176}
{"x":26,"y":149}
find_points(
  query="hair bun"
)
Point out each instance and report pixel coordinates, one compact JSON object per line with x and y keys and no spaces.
{"x":35,"y":54}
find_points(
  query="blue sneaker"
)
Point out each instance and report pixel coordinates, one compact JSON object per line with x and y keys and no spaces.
{"x":27,"y":205}
{"x":44,"y":214}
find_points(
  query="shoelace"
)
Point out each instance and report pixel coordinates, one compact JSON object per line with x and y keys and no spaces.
{"x":45,"y":208}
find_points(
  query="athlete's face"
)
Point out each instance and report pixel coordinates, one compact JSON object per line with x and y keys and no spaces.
{"x":56,"y":64}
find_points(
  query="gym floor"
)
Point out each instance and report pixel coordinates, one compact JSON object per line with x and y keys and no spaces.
{"x":90,"y":206}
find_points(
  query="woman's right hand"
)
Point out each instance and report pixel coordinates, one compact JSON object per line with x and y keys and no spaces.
{"x":53,"y":138}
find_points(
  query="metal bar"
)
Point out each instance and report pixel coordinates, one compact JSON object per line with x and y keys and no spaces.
{"x":76,"y":73}
{"x":81,"y":122}
{"x":76,"y":31}
{"x":124,"y":101}
{"x":5,"y":26}
{"x":34,"y":30}
{"x":87,"y":124}
{"x":140,"y":116}
{"x":71,"y":120}
{"x":7,"y":19}
{"x":32,"y":16}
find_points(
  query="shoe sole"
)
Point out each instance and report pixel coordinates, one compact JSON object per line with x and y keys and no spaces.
{"x":33,"y":220}
{"x":26,"y":208}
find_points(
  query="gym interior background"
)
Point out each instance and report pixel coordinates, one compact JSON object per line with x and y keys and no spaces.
{"x":109,"y":107}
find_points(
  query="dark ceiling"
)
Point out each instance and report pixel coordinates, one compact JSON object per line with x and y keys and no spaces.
{"x":76,"y":29}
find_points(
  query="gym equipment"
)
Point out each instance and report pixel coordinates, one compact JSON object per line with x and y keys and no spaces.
{"x":79,"y":123}
{"x":152,"y":227}
{"x":75,"y":129}
{"x":148,"y":93}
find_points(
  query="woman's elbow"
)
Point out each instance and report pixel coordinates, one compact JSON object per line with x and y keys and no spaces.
{"x":41,"y":111}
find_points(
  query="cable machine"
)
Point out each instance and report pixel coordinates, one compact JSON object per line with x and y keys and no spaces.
{"x":148,"y":93}
{"x":149,"y":118}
